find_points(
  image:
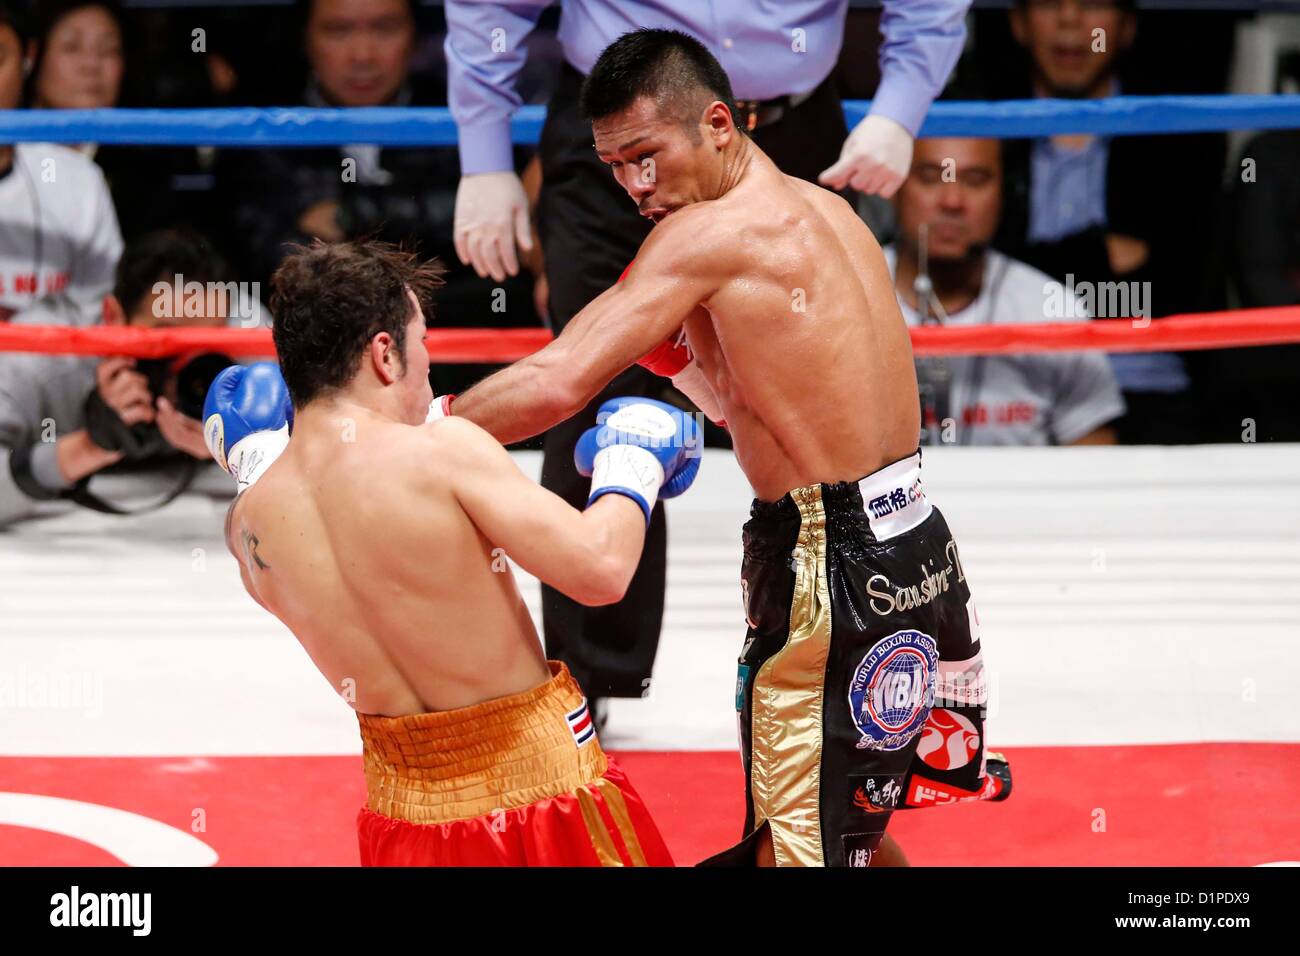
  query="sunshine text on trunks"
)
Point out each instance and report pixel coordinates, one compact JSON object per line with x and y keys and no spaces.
{"x":75,"y":908}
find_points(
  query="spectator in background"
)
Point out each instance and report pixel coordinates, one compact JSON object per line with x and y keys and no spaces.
{"x":359,"y":54}
{"x":78,"y":62}
{"x":1258,"y":386}
{"x":1092,"y":209}
{"x":954,"y":191}
{"x":78,"y":57}
{"x":779,"y":58}
{"x":64,"y":418}
{"x":58,"y":230}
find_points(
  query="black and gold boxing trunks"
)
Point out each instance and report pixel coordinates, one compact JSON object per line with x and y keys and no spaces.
{"x":861,"y":686}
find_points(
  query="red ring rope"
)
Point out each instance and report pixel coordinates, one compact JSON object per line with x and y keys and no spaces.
{"x":1208,"y":330}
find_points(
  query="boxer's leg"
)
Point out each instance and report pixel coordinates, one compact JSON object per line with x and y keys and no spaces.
{"x":889,"y":853}
{"x":952,"y":763}
{"x":830,"y":700}
{"x":767,"y":583}
{"x":764,"y":851}
{"x":879,"y":682}
{"x":821,"y":789}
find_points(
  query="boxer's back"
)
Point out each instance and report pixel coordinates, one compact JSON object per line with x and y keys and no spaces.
{"x":804,"y":344}
{"x":355,"y":541}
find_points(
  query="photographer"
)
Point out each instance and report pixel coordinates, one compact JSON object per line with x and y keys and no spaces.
{"x":64,"y":418}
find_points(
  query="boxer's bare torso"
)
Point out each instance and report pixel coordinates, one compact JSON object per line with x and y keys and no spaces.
{"x":790,"y":311}
{"x":803,"y":343}
{"x":356,"y":540}
{"x":364,"y":549}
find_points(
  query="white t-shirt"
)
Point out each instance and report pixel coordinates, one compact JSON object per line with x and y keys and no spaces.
{"x":1044,"y":398}
{"x":58,"y":230}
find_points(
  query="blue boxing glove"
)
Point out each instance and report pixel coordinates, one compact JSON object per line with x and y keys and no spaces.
{"x":246,"y":419}
{"x":640,"y":448}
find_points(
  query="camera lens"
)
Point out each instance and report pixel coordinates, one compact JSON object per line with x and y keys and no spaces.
{"x":195,"y":377}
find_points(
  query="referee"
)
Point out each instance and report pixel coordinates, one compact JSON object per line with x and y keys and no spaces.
{"x":779,"y":58}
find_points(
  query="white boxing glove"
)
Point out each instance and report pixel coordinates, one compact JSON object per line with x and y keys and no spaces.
{"x":440,"y":407}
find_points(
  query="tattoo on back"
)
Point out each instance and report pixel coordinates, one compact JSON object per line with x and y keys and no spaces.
{"x":250,"y":543}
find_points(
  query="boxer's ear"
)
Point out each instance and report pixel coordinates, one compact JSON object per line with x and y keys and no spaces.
{"x":387,"y":360}
{"x":721,"y":125}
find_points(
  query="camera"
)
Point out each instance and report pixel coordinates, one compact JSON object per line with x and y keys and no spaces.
{"x":182,"y":379}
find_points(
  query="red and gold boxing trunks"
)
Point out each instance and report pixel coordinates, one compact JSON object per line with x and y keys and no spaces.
{"x":516,"y":781}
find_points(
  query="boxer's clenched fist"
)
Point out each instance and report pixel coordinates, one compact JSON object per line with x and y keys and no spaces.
{"x":640,"y":448}
{"x":247,"y":418}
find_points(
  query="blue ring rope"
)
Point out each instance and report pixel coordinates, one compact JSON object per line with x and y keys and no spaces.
{"x":433,"y":126}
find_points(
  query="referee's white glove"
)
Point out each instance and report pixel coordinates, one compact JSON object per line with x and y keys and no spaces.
{"x":876,"y":158}
{"x":491,"y":216}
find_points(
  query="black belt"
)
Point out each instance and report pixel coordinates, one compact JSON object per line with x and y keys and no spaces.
{"x":758,"y":113}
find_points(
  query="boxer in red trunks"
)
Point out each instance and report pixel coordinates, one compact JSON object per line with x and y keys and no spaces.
{"x":380,"y":534}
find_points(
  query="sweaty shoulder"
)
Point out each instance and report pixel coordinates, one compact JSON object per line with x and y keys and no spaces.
{"x":692,"y":238}
{"x":853,"y":235}
{"x":838,"y":210}
{"x":454,"y":448}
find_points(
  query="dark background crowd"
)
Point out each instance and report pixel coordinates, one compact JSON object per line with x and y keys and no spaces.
{"x":1179,"y":211}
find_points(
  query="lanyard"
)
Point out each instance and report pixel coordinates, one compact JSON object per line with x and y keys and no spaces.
{"x":934,"y":376}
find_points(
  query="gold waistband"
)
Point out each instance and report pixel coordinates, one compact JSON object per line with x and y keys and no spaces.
{"x":497,"y":755}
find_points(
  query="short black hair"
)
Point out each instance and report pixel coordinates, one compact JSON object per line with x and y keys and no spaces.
{"x":667,"y":65}
{"x":329,"y":300}
{"x":160,"y":256}
{"x":13,"y":16}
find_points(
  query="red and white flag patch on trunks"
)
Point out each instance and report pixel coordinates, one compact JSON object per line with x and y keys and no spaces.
{"x":581,"y":724}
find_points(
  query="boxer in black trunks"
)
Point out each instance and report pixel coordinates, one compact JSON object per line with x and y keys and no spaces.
{"x":861,"y":681}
